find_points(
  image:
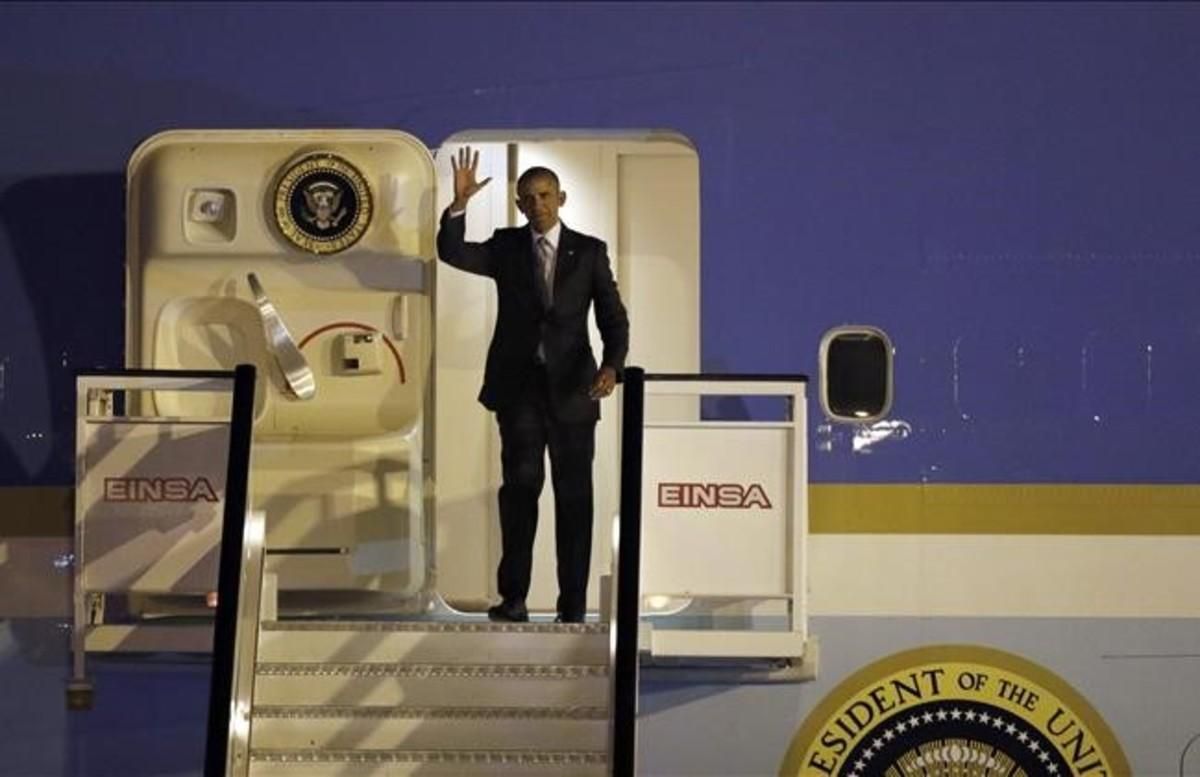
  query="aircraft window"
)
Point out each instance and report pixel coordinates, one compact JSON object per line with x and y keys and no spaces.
{"x":856,"y":374}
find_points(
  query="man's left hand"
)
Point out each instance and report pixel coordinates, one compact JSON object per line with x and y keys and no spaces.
{"x":604,"y":383}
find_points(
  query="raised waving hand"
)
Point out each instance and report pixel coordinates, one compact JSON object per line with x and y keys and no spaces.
{"x":465,"y":184}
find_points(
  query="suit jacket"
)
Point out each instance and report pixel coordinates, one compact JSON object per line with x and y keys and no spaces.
{"x":582,"y":277}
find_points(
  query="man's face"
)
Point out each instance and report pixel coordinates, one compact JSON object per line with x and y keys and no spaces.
{"x":539,"y":199}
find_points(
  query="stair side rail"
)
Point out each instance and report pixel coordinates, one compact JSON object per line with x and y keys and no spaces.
{"x":626,"y":595}
{"x":235,"y":635}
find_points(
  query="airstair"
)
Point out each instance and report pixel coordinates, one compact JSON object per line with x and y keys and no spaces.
{"x":437,"y":692}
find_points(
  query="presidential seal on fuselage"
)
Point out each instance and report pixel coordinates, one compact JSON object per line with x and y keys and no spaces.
{"x":954,"y":711}
{"x":322,"y":204}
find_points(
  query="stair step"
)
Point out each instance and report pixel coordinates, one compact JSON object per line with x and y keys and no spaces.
{"x":431,"y":763}
{"x":376,"y":711}
{"x":424,"y":642}
{"x":430,"y":685}
{"x":429,"y":728}
{"x":382,"y":669}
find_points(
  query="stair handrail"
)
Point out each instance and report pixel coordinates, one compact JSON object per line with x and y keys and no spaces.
{"x":240,"y":570}
{"x":626,"y":596}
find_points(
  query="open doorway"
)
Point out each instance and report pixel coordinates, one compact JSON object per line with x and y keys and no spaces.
{"x":639,"y":191}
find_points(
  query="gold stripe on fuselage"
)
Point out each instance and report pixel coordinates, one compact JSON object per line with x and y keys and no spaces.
{"x":1007,"y":508}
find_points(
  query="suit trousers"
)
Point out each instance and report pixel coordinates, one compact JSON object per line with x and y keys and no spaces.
{"x":527,"y":428}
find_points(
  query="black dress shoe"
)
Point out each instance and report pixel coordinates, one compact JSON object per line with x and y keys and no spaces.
{"x":508,"y":612}
{"x":573,"y":617}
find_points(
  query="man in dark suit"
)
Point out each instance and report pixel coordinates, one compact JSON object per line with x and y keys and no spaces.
{"x":541,"y":379}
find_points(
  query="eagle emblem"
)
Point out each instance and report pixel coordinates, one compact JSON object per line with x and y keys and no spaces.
{"x":324,"y":202}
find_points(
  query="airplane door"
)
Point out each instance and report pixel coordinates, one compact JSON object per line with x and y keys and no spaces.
{"x":306,"y":253}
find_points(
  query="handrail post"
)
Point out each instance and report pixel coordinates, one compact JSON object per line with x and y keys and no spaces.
{"x":623,"y":731}
{"x":237,"y":482}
